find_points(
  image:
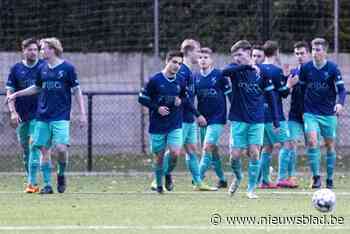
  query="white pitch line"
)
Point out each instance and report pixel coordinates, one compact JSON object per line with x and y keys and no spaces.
{"x":170,"y":227}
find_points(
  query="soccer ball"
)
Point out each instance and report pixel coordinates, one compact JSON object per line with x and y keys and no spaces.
{"x":324,"y":200}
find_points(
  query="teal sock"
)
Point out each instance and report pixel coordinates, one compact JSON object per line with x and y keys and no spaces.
{"x":193,"y":166}
{"x":314,"y":160}
{"x":61,"y":168}
{"x":236,"y":165}
{"x":205,"y":164}
{"x":216,"y":161}
{"x":34,"y":162}
{"x":292,"y":162}
{"x":158,"y":172}
{"x":283,"y":162}
{"x":26,"y":162}
{"x":46,"y":170}
{"x":253,"y":171}
{"x":265,"y":162}
{"x":331,"y":159}
{"x":166,"y":162}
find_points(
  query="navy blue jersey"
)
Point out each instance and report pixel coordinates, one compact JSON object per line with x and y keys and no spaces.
{"x":211,"y":91}
{"x":21,"y":77}
{"x":248,"y":88}
{"x":320,"y":87}
{"x":55,"y":96}
{"x":274,"y":73}
{"x":297,"y":100}
{"x":186,"y":75}
{"x":162,"y":91}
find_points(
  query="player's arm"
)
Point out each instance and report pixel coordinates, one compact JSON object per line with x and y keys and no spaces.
{"x":232,"y":69}
{"x":10,"y":89}
{"x":146,"y":96}
{"x":282,"y":86}
{"x":302,"y":82}
{"x":339,"y":84}
{"x":24,"y":92}
{"x":269,"y":88}
{"x":78,"y":95}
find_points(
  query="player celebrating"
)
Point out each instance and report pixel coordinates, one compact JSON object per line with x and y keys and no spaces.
{"x":258,"y":54}
{"x":211,"y":89}
{"x":247,"y":114}
{"x":295,"y":117}
{"x":164,"y":95}
{"x":56,"y":83}
{"x":271,"y":137}
{"x":321,"y":81}
{"x":23,"y":75}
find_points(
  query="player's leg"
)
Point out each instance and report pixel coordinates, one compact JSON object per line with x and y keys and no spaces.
{"x":174,"y":142}
{"x":284,"y":155}
{"x":40,"y":148}
{"x":328,"y":125}
{"x":255,"y":141}
{"x":296,"y":131}
{"x":60,"y":141}
{"x":238,"y":144}
{"x":34,"y":160}
{"x":22,"y":132}
{"x":266,"y":156}
{"x":157,"y":147}
{"x":313,"y":149}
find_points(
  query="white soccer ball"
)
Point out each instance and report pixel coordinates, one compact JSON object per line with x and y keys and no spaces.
{"x":324,"y":200}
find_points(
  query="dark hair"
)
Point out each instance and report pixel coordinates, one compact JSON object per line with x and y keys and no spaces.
{"x":173,"y":53}
{"x":241,"y":44}
{"x":270,"y":48}
{"x":206,"y":50}
{"x":257,"y":47}
{"x":28,"y":42}
{"x":320,"y":41}
{"x":302,"y":44}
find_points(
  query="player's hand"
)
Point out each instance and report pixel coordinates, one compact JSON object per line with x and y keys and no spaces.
{"x":177,"y":101}
{"x":286,"y":69}
{"x":338,"y":108}
{"x":82,"y":120}
{"x":163,"y":110}
{"x":10,"y":98}
{"x":202,"y":121}
{"x":257,"y":69}
{"x":14,"y":119}
{"x":292,"y":80}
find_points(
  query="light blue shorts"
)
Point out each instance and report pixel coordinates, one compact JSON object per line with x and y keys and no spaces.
{"x":25,"y":132}
{"x":211,"y":134}
{"x":173,"y":139}
{"x":48,"y":134}
{"x":296,"y":130}
{"x":245,"y":134}
{"x":325,"y":125}
{"x":271,"y":138}
{"x":190,"y":133}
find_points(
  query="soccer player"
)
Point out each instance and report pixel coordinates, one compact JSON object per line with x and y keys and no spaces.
{"x":271,"y":137}
{"x":190,"y":49}
{"x":321,"y":82}
{"x":295,"y":117}
{"x":56,"y":83}
{"x":211,"y":90}
{"x":164,"y":95}
{"x":258,"y":54}
{"x":247,"y":114}
{"x":22,"y":75}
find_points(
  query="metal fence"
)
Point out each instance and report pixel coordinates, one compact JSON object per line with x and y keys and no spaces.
{"x":116,"y":137}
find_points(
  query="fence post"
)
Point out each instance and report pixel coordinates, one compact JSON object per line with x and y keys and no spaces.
{"x":156,"y":28}
{"x":89,"y":133}
{"x":266,"y":14}
{"x":143,"y":125}
{"x":336,"y":30}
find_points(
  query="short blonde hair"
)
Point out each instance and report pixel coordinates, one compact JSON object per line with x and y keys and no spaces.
{"x":320,"y":41}
{"x":189,"y":45}
{"x":241,"y":44}
{"x":55,"y":44}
